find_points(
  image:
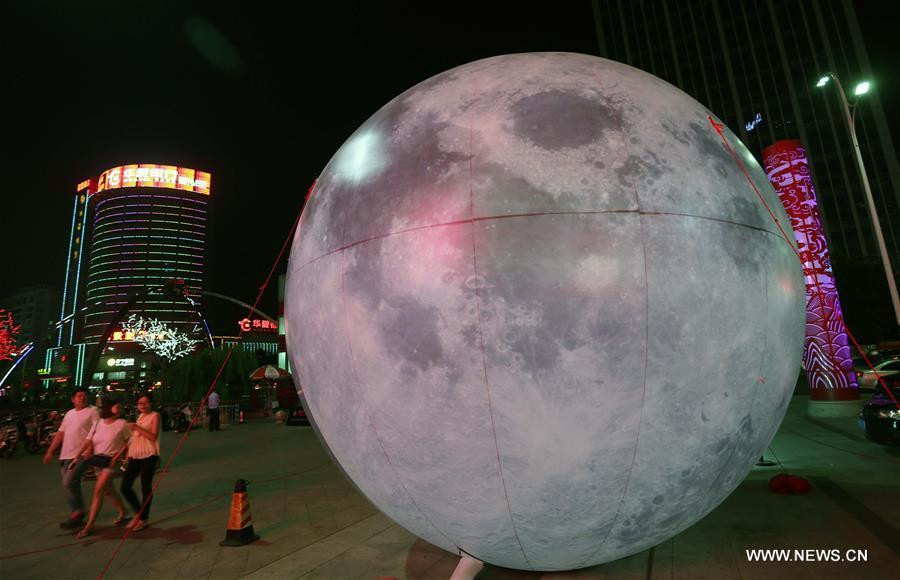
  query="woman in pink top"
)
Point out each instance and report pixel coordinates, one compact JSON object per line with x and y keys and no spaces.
{"x":143,"y":457}
{"x":105,"y":443}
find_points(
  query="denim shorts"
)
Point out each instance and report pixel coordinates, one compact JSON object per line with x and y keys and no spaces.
{"x":101,"y":461}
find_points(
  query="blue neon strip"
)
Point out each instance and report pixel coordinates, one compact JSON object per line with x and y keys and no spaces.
{"x":62,"y":310}
{"x":78,"y":272}
{"x":47,"y":357}
{"x":22,"y":356}
{"x":80,"y":369}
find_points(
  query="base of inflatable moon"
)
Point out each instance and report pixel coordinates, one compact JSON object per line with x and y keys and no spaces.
{"x":539,"y":314}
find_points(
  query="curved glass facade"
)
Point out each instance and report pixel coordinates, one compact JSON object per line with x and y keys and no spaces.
{"x":141,"y":237}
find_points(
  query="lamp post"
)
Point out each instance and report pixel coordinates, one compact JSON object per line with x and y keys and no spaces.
{"x":861,"y":89}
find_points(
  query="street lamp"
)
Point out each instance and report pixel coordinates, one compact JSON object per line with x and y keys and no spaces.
{"x":861,"y":89}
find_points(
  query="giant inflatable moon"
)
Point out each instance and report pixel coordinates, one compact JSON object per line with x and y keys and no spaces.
{"x":540,"y":315}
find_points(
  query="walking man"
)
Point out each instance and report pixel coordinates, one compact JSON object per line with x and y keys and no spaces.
{"x":212,"y":409}
{"x":74,"y":429}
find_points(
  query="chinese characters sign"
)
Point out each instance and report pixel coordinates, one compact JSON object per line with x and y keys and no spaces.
{"x":257,"y":325}
{"x":149,"y":175}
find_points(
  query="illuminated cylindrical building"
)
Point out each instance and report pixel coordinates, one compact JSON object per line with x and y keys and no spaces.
{"x":149,"y":226}
{"x":134,"y":227}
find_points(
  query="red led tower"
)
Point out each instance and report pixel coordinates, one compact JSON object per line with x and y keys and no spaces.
{"x":826,"y":353}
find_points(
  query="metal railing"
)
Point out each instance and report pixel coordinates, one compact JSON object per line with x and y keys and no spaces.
{"x":228,"y":413}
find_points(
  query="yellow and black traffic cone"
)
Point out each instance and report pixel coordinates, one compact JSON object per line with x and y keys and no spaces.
{"x":240,"y":524}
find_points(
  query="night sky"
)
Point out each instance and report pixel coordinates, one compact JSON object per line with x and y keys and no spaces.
{"x":259,"y":94}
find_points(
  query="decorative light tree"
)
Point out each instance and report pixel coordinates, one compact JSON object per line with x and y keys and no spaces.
{"x":8,"y":331}
{"x":154,"y":336}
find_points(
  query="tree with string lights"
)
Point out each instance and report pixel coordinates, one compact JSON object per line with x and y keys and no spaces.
{"x":154,"y":336}
{"x":8,"y":331}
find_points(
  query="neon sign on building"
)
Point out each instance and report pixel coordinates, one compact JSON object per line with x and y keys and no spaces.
{"x":120,"y":362}
{"x":257,"y":325}
{"x":129,"y":336}
{"x":151,"y":175}
{"x":754,"y":122}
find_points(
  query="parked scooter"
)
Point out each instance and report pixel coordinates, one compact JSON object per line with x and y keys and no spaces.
{"x":9,"y":437}
{"x":166,"y":416}
{"x":28,"y":430}
{"x":38,"y":433}
{"x":180,"y":422}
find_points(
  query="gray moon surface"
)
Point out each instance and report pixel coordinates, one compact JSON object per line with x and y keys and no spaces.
{"x":540,"y":315}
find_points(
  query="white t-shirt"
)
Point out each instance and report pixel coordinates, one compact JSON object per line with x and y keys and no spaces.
{"x":76,"y":425}
{"x":109,"y":438}
{"x":213,"y":401}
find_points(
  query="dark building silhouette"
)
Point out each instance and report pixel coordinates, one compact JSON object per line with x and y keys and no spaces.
{"x":35,"y":310}
{"x":754,"y":64}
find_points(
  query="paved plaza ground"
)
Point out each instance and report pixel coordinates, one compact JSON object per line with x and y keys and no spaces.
{"x":313,"y":523}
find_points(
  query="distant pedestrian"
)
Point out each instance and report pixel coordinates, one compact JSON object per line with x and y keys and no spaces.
{"x":143,"y":457}
{"x":72,"y":432}
{"x":103,"y":446}
{"x":212,"y":409}
{"x":186,"y":410}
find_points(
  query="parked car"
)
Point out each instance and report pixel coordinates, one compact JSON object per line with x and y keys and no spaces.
{"x":886,"y":368}
{"x":880,"y":416}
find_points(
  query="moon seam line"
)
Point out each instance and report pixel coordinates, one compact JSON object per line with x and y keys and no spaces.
{"x":532,"y":214}
{"x":365,"y":407}
{"x":487,"y":386}
{"x":637,"y":438}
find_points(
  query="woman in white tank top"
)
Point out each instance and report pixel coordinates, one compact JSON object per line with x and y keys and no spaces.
{"x":105,"y":443}
{"x":143,"y":457}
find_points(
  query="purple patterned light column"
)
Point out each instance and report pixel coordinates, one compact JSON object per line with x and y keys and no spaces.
{"x":826,"y":354}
